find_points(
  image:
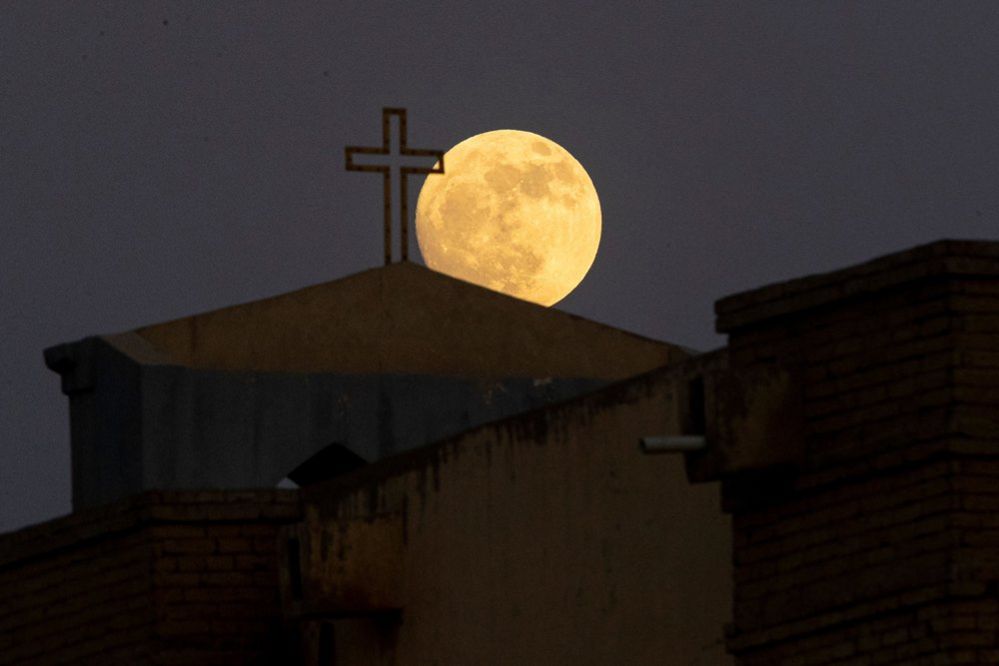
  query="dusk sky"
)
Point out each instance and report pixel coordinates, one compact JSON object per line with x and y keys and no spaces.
{"x":161,"y":159}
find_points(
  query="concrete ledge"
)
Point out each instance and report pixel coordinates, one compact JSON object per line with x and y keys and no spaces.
{"x":931,"y":261}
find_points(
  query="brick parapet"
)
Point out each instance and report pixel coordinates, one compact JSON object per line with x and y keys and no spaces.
{"x":934,"y":260}
{"x":889,"y":510}
{"x":938,"y":627}
{"x":161,"y":577}
{"x":887,"y":371}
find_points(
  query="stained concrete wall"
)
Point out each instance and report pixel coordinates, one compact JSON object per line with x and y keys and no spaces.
{"x":210,"y":429}
{"x":138,"y":427}
{"x":546,"y":538}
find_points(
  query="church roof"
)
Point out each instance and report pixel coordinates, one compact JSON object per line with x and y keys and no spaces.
{"x":378,"y":362}
{"x":404,"y":318}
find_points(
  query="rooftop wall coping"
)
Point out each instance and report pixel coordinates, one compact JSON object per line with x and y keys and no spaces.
{"x":532,"y":424}
{"x":145,"y":509}
{"x":933,"y":260}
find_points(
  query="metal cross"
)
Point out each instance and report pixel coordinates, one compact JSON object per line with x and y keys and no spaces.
{"x":386,"y":171}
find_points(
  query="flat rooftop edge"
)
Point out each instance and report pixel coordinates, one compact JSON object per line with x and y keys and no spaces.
{"x":932,"y":260}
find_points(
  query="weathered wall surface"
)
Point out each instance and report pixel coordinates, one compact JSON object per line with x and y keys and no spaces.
{"x":159,"y":578}
{"x":210,"y":429}
{"x":880,"y":543}
{"x":85,"y":603}
{"x":547,"y":538}
{"x":141,"y":427}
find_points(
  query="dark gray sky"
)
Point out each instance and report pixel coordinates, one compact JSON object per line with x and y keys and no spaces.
{"x":159,"y":159}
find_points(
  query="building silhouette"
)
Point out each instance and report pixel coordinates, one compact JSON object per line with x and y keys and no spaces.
{"x":823,"y":490}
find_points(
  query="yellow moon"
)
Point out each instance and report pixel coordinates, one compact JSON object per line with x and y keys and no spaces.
{"x":513,"y":212}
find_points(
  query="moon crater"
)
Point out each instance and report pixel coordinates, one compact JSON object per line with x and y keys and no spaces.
{"x":513,"y":212}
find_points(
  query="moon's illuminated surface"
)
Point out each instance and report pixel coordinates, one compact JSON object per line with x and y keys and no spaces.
{"x":513,"y":212}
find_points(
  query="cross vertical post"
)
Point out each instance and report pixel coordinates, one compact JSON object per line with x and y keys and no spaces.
{"x":386,"y":170}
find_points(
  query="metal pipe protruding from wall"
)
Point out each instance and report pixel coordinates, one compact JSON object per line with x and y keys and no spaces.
{"x":673,"y":443}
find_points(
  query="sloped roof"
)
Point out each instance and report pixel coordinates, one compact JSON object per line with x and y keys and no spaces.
{"x":404,"y":318}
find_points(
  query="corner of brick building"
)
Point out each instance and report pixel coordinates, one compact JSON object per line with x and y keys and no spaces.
{"x":866,"y":527}
{"x":160,"y":578}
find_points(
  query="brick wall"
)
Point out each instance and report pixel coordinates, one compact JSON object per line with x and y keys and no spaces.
{"x":159,"y":578}
{"x":881,"y":544}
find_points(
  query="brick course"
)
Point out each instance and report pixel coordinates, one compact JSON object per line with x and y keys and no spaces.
{"x":159,"y":578}
{"x":881,"y":545}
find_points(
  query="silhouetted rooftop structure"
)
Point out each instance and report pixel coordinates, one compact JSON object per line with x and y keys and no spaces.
{"x":850,"y":425}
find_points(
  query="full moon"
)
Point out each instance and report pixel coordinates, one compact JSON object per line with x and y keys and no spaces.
{"x":513,"y":212}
